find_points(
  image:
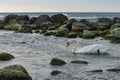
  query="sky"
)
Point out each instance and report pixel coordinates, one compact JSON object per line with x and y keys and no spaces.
{"x":59,"y":5}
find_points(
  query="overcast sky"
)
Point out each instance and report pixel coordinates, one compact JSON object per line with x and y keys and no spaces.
{"x":59,"y":5}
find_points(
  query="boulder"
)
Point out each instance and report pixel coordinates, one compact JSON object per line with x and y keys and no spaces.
{"x":6,"y":56}
{"x":37,"y":31}
{"x":47,"y":24}
{"x":23,"y":19}
{"x":1,"y":25}
{"x":97,"y":70}
{"x":69,"y":23}
{"x":72,"y":34}
{"x":59,"y":18}
{"x":113,"y":70}
{"x":88,"y":34}
{"x":116,"y":25}
{"x":87,"y":23}
{"x":32,"y":20}
{"x":14,"y":72}
{"x":9,"y":17}
{"x":78,"y":26}
{"x":62,"y":31}
{"x":14,"y":27}
{"x":55,"y":72}
{"x":58,"y":62}
{"x":79,"y":62}
{"x":41,"y":19}
{"x":103,"y":23}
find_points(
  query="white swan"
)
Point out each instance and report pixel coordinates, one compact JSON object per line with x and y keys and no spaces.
{"x":90,"y":49}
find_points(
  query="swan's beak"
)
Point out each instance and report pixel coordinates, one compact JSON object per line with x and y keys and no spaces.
{"x":67,"y":44}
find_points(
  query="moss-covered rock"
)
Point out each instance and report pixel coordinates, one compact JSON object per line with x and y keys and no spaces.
{"x":37,"y":31}
{"x":79,"y":62}
{"x":55,"y":72}
{"x":48,"y":33}
{"x":6,"y":56}
{"x":116,"y":25}
{"x":25,"y":31}
{"x":62,"y":31}
{"x":88,"y":34}
{"x":58,"y":62}
{"x":14,"y":27}
{"x":14,"y":72}
{"x":97,"y":33}
{"x":72,"y":35}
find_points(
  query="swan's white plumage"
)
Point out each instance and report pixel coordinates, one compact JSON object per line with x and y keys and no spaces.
{"x":93,"y":49}
{"x":90,"y":49}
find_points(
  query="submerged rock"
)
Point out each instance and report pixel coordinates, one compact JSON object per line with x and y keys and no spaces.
{"x":14,"y":72}
{"x":113,"y":70}
{"x":79,"y":62}
{"x":6,"y":56}
{"x":97,"y":70}
{"x":58,"y":62}
{"x":55,"y":72}
{"x":59,"y":18}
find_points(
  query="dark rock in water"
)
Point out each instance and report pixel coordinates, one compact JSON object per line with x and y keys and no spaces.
{"x":1,"y":25}
{"x":32,"y":20}
{"x":48,"y":33}
{"x":105,"y":20}
{"x":116,"y":20}
{"x":62,"y":31}
{"x":103,"y":23}
{"x":78,"y":26}
{"x":14,"y":27}
{"x":6,"y":56}
{"x":79,"y":62}
{"x":98,"y":70}
{"x":14,"y":72}
{"x":59,"y":18}
{"x":69,"y":23}
{"x":116,"y":25}
{"x":23,"y":19}
{"x":41,"y":19}
{"x":87,"y":23}
{"x":25,"y":29}
{"x":58,"y":62}
{"x":37,"y":31}
{"x":88,"y":34}
{"x":115,"y":36}
{"x":72,"y":35}
{"x":55,"y":72}
{"x":47,"y":24}
{"x":113,"y":70}
{"x":9,"y":17}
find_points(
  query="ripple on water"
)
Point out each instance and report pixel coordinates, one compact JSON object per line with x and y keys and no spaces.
{"x":35,"y":52}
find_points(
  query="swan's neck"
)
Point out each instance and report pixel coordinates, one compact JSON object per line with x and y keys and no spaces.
{"x":75,"y":47}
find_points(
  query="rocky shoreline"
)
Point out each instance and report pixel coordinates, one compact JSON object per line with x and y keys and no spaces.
{"x":60,"y":26}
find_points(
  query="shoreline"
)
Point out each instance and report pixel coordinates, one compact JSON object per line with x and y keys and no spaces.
{"x":60,"y":25}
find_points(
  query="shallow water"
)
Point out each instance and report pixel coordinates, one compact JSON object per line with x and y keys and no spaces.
{"x":35,"y":52}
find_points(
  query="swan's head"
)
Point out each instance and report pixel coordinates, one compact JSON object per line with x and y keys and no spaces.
{"x":68,"y":43}
{"x":71,"y":42}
